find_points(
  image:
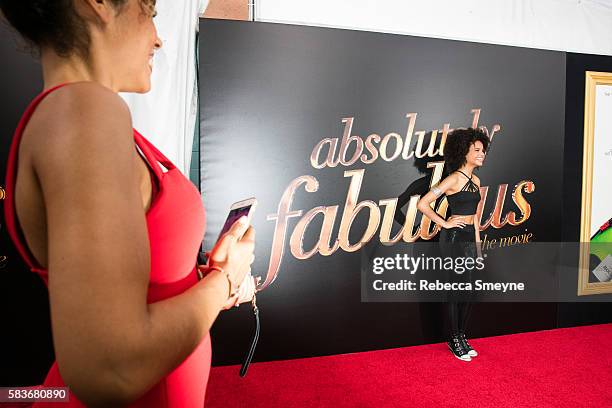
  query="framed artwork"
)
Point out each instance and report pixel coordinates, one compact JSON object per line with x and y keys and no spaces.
{"x":595,"y":265}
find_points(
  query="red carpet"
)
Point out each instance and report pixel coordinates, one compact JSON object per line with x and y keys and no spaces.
{"x":553,"y":368}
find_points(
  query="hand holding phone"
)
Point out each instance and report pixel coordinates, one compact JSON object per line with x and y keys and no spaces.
{"x":234,"y":251}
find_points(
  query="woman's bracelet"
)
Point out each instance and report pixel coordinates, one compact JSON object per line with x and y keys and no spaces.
{"x":231,"y":291}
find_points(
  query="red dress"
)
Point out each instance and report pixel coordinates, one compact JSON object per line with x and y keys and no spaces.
{"x":175,"y":223}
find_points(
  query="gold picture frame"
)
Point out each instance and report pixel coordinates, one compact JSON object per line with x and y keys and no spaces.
{"x":585,"y":285}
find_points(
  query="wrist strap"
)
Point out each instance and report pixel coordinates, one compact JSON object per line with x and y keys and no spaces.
{"x":203,"y":260}
{"x":249,"y":357}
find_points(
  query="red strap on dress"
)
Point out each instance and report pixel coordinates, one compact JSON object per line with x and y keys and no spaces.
{"x":10,"y":215}
{"x":12,"y":223}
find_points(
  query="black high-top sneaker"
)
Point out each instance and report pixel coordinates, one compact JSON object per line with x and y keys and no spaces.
{"x":456,"y":347}
{"x":471,"y":352}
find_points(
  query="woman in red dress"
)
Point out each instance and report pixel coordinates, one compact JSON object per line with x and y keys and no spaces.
{"x":107,"y":221}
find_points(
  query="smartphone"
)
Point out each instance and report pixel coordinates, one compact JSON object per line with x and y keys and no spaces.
{"x":237,"y":210}
{"x":244,"y":208}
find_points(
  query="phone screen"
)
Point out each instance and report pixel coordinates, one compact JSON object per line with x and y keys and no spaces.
{"x":233,"y":216}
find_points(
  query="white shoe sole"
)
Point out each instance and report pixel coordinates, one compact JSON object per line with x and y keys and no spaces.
{"x":472,"y":353}
{"x":464,"y":358}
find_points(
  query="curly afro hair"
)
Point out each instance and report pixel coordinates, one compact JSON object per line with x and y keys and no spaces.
{"x":458,"y":145}
{"x":55,"y":23}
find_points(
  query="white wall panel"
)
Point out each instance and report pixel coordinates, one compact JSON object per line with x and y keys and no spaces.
{"x":568,"y":25}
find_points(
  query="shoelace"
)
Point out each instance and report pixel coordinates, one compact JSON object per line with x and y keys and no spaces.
{"x":463,"y":339}
{"x":458,"y":345}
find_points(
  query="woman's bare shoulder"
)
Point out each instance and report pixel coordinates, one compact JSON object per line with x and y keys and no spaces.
{"x":448,"y":183}
{"x":84,"y":101}
{"x":452,"y":178}
{"x":85,"y":116}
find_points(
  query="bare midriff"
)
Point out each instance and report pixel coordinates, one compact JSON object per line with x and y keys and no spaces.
{"x":468,"y":219}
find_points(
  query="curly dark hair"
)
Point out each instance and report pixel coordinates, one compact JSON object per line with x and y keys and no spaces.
{"x":458,"y":145}
{"x":55,"y":23}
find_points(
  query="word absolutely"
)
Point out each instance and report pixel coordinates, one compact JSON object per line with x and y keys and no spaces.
{"x":506,"y":241}
{"x":389,"y":147}
{"x":413,"y":264}
{"x":425,"y":285}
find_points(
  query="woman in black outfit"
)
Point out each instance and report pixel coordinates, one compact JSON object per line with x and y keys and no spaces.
{"x":464,"y":151}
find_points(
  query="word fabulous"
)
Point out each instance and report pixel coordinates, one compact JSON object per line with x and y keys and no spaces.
{"x":380,"y":215}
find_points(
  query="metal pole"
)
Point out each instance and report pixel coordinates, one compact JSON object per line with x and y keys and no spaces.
{"x":251,"y":10}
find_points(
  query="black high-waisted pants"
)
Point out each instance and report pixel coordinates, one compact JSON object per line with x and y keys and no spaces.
{"x":459,"y":242}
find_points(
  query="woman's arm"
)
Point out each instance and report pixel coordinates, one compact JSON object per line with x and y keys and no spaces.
{"x":111,"y":347}
{"x":476,"y":224}
{"x":424,"y":204}
{"x":477,"y":237}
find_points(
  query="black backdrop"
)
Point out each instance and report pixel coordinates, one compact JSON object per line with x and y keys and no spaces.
{"x":270,"y":92}
{"x":26,"y":351}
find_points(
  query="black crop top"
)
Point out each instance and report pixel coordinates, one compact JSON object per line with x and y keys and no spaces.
{"x":464,"y":202}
